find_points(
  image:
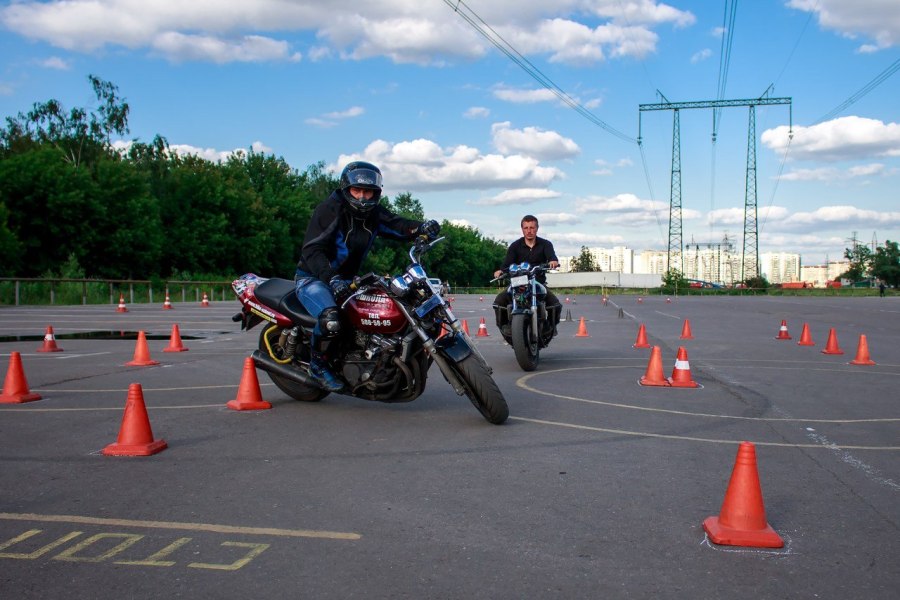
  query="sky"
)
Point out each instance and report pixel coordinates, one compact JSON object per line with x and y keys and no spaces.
{"x":487,"y":110}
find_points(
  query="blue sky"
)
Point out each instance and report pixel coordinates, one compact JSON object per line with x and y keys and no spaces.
{"x":415,"y":88}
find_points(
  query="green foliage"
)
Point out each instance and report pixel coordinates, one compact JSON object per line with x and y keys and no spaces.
{"x":886,"y":263}
{"x":758,"y":283}
{"x":674,"y":282}
{"x":584,"y":263}
{"x":860,"y":257}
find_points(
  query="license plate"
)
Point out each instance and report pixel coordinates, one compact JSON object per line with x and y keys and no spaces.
{"x":518,"y":280}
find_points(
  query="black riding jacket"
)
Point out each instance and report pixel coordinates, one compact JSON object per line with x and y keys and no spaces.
{"x":519,"y":252}
{"x":338,"y":239}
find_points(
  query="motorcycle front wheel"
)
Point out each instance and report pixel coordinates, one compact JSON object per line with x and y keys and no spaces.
{"x":482,"y":390}
{"x":525,"y":342}
{"x":268,"y":339}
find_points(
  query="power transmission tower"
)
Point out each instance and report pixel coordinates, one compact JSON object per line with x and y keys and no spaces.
{"x":750,"y":260}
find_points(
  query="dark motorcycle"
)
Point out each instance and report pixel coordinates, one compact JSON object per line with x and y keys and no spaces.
{"x":531,"y":324}
{"x":394,"y":328}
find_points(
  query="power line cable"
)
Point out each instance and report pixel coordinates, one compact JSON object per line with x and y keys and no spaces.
{"x":878,"y":80}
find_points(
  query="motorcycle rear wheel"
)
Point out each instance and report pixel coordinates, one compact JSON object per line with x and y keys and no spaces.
{"x":525,"y":342}
{"x":294,"y":389}
{"x":482,"y":390}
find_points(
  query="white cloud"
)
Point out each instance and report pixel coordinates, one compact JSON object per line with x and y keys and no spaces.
{"x":54,"y":62}
{"x":331,"y":119}
{"x":834,"y":174}
{"x":532,"y":141}
{"x":618,"y":203}
{"x":477,"y":112}
{"x":846,"y":138}
{"x":844,"y":217}
{"x":701,"y":56}
{"x":517,"y":197}
{"x":529,"y":96}
{"x":551,"y":219}
{"x":179,"y":47}
{"x":877,"y":20}
{"x":210,"y":154}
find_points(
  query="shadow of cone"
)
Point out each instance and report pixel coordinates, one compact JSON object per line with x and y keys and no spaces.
{"x":742,"y":520}
{"x":465,"y":326}
{"x":686,"y":331}
{"x":482,"y":329}
{"x":654,"y":374}
{"x":141,"y":353}
{"x":582,"y":329}
{"x":641,"y":341}
{"x":121,"y":307}
{"x":831,"y":346}
{"x":681,"y":374}
{"x":15,"y":386}
{"x":248,"y":396}
{"x":806,"y":337}
{"x":135,"y":436}
{"x":783,"y":332}
{"x":862,"y":353}
{"x":49,"y":342}
{"x":175,"y":344}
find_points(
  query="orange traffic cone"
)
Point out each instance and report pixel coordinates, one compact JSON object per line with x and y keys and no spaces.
{"x":862,"y":353}
{"x":167,"y":305}
{"x":681,"y":374}
{"x":654,"y":374}
{"x":205,"y":301}
{"x":15,"y":386}
{"x":567,"y":299}
{"x":686,"y":331}
{"x":641,"y":341}
{"x":481,"y":298}
{"x":668,"y":301}
{"x":806,"y":337}
{"x":831,"y":346}
{"x":605,"y":300}
{"x":49,"y":342}
{"x":482,"y":329}
{"x":248,"y":396}
{"x":582,"y":329}
{"x":141,"y":353}
{"x":465,"y":326}
{"x":135,"y":435}
{"x":175,"y":344}
{"x":640,"y":300}
{"x":783,"y":332}
{"x":122,"y":307}
{"x":742,"y":520}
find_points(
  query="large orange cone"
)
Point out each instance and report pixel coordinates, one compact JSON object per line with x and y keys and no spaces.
{"x":205,"y":302}
{"x":135,"y":436}
{"x":681,"y":374}
{"x":482,"y":329}
{"x":49,"y":342}
{"x":831,"y":346}
{"x":806,"y":337}
{"x":15,"y":387}
{"x":862,"y":353}
{"x":641,"y":341}
{"x":686,"y":331}
{"x":122,"y":307}
{"x":465,"y":326}
{"x":654,"y":374}
{"x":783,"y":332}
{"x":141,"y":353}
{"x":582,"y":329}
{"x":742,"y":520}
{"x":248,"y":396}
{"x":175,"y":344}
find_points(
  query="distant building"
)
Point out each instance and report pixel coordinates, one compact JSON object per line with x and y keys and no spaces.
{"x":780,"y":267}
{"x":820,"y":275}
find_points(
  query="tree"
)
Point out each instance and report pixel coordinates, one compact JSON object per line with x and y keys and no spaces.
{"x":585,"y":261}
{"x":860,"y":257}
{"x":674,"y":281}
{"x":886,"y":263}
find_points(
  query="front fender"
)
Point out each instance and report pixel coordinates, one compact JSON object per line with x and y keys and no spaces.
{"x":454,"y":347}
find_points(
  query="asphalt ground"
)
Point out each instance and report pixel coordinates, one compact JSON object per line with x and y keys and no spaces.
{"x":595,"y":487}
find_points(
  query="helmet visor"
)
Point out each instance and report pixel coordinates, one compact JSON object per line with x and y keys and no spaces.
{"x":364,"y":178}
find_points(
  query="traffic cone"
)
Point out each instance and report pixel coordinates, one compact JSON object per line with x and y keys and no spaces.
{"x":783,"y":332}
{"x":481,"y":298}
{"x":465,"y":327}
{"x":205,"y":301}
{"x":640,"y":300}
{"x":122,"y":307}
{"x":167,"y":305}
{"x":681,"y":374}
{"x":686,"y":330}
{"x":135,"y":435}
{"x":605,"y":300}
{"x":175,"y":344}
{"x":567,"y":299}
{"x":15,"y":386}
{"x":654,"y":373}
{"x":742,"y":520}
{"x":668,"y":301}
{"x":482,"y":329}
{"x":49,"y":342}
{"x":805,"y":337}
{"x":582,"y":329}
{"x":831,"y":346}
{"x":141,"y":353}
{"x":641,"y":341}
{"x":248,"y":396}
{"x":862,"y":353}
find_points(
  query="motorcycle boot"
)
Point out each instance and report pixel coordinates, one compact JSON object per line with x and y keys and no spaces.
{"x":325,"y":332}
{"x":321,"y":373}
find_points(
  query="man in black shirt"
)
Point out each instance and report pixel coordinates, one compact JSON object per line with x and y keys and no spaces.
{"x":534,"y":250}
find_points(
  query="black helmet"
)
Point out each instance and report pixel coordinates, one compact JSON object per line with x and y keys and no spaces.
{"x":362,"y":175}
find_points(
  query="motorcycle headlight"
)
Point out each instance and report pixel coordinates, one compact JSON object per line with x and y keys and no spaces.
{"x":524,"y":266}
{"x":416,"y":273}
{"x":399,"y":286}
{"x":513,"y":269}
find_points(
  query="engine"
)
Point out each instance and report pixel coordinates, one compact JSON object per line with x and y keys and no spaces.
{"x":369,"y":364}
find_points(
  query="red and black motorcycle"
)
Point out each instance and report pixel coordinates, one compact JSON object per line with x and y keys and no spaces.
{"x":394,"y":329}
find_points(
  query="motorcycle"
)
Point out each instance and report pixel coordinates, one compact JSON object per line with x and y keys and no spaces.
{"x":398,"y":327}
{"x":531,"y":323}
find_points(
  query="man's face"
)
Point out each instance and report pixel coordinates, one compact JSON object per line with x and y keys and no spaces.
{"x":529,"y":230}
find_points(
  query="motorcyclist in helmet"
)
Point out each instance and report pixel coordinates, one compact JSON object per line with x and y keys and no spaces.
{"x":339,"y":236}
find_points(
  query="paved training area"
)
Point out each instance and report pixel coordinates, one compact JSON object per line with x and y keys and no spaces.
{"x":596,"y":487}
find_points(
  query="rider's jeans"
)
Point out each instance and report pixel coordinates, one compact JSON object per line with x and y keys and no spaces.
{"x":314,"y":295}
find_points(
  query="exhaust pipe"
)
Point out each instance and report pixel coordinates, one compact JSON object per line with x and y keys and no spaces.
{"x":268,"y":364}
